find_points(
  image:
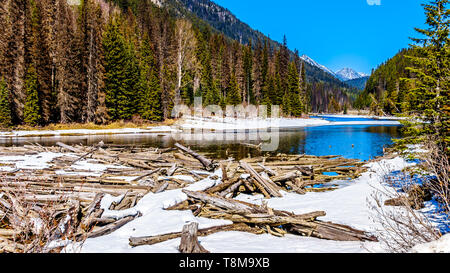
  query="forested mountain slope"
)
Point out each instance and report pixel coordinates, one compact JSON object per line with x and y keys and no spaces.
{"x":386,"y":90}
{"x":102,"y":61}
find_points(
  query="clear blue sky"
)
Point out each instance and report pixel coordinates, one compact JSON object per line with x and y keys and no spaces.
{"x":335,"y":33}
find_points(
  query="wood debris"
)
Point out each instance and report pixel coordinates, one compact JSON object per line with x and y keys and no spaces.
{"x":70,"y":196}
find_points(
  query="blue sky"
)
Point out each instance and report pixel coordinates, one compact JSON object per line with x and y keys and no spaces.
{"x":335,"y":33}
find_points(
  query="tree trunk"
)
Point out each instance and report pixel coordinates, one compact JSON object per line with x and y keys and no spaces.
{"x":189,"y":241}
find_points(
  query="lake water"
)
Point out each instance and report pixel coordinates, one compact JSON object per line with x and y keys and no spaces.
{"x":351,"y":141}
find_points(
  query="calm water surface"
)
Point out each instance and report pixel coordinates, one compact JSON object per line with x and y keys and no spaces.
{"x":351,"y":141}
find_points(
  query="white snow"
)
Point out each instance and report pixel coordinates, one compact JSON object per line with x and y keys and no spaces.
{"x":72,"y":132}
{"x":361,"y":116}
{"x":37,"y":161}
{"x":346,"y":74}
{"x":215,"y":123}
{"x":316,"y":64}
{"x":231,"y":124}
{"x":155,"y":219}
{"x":255,"y":124}
{"x":346,"y":205}
{"x":439,"y":246}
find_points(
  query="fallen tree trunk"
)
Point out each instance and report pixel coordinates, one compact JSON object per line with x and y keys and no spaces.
{"x":112,"y":227}
{"x":208,"y":164}
{"x":220,"y":202}
{"x":151,"y":240}
{"x":269,"y":186}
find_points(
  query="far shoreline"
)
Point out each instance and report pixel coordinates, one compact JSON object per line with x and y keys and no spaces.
{"x":188,"y":124}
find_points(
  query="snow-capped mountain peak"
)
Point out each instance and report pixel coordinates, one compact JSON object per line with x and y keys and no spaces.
{"x":346,"y":74}
{"x":316,"y":64}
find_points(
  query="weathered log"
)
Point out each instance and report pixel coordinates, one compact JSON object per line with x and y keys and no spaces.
{"x":334,"y":232}
{"x":268,"y":170}
{"x":296,"y":188}
{"x":189,"y":241}
{"x":220,"y":201}
{"x":151,"y":240}
{"x":222,"y":186}
{"x":137,"y":179}
{"x":172,"y":170}
{"x":231,"y":189}
{"x":306,"y":170}
{"x":224,"y":172}
{"x":208,"y":164}
{"x":162,"y":187}
{"x":112,"y":227}
{"x":286,"y":177}
{"x":69,"y":148}
{"x":268,"y":185}
{"x":261,"y":219}
{"x":94,"y":149}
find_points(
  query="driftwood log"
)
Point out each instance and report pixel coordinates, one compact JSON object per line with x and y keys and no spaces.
{"x":208,"y":164}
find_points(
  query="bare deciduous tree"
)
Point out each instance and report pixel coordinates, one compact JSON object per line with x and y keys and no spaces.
{"x":186,"y":58}
{"x":399,"y":206}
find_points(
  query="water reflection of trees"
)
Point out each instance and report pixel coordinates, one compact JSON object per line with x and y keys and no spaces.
{"x":292,"y":142}
{"x":314,"y":140}
{"x":393,"y":131}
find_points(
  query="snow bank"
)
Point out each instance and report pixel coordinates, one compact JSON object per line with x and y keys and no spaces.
{"x":254,"y":124}
{"x":35,"y":162}
{"x":232,"y":124}
{"x":363,"y":116}
{"x":440,"y":246}
{"x":154,"y":221}
{"x":346,"y":205}
{"x":82,"y":132}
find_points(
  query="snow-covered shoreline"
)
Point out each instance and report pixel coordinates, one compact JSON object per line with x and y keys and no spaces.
{"x":87,"y":132}
{"x":347,"y":205}
{"x":255,"y":124}
{"x":352,"y":210}
{"x":193,"y":123}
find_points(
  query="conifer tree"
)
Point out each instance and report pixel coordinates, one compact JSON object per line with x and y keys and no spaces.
{"x":248,"y":79}
{"x":233,"y":94}
{"x":32,"y":110}
{"x":293,"y":93}
{"x":5,"y":105}
{"x":150,"y":95}
{"x":431,"y":70}
{"x":121,"y":74}
{"x":213,"y":95}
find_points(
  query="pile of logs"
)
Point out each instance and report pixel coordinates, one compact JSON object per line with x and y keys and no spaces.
{"x":256,"y":219}
{"x":67,"y":198}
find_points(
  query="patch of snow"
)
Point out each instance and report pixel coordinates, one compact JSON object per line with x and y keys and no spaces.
{"x":439,"y":246}
{"x":316,"y":64}
{"x":57,"y":133}
{"x":232,"y":124}
{"x":185,"y":178}
{"x":37,"y":161}
{"x":352,"y":210}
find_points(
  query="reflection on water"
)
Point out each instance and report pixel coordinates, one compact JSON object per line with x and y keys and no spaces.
{"x":351,"y":141}
{"x":358,"y":141}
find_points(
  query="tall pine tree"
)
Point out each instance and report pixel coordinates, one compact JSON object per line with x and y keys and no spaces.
{"x":121,"y":74}
{"x":431,"y":70}
{"x":32,"y":110}
{"x":5,"y":105}
{"x":233,"y":94}
{"x":150,"y":95}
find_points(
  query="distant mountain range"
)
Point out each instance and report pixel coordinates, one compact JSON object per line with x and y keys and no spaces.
{"x":346,"y":75}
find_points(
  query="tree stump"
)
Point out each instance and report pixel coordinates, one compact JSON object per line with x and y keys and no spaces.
{"x":189,"y":241}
